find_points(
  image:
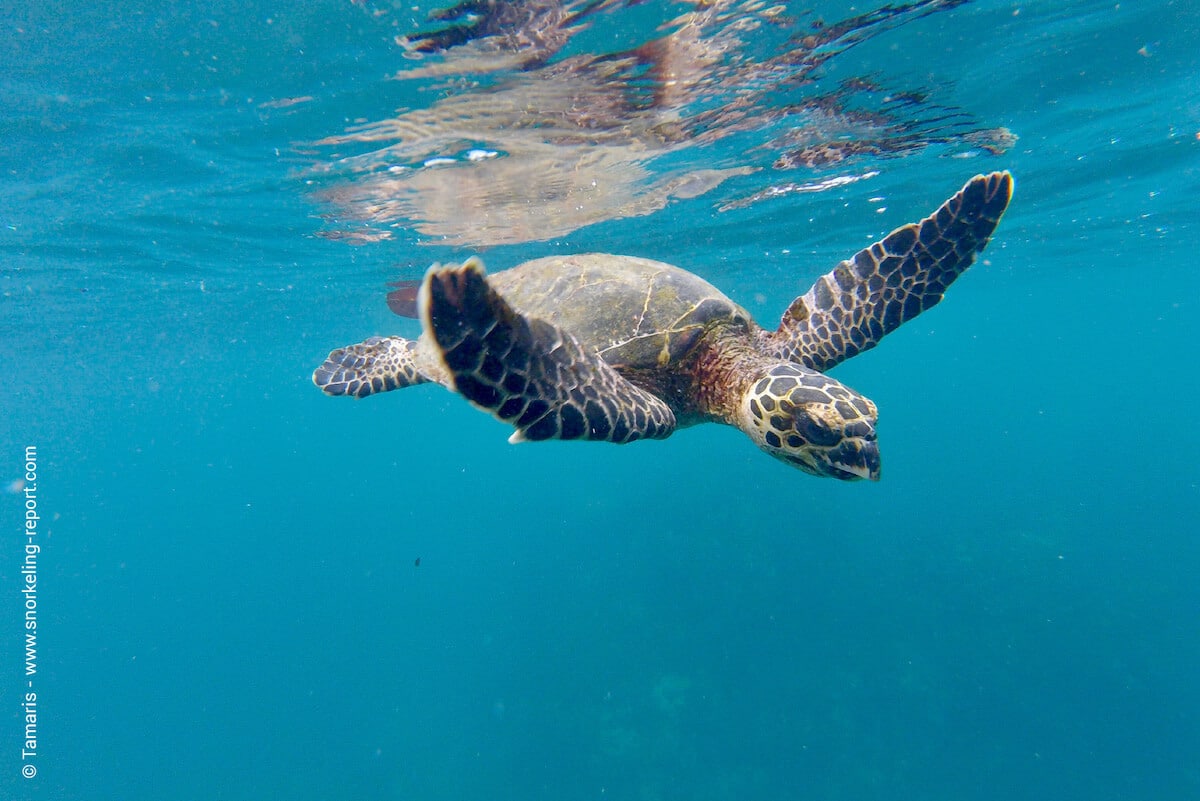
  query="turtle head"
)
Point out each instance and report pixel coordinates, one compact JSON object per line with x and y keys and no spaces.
{"x":812,"y":422}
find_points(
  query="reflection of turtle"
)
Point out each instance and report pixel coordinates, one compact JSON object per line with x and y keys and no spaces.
{"x":618,"y":348}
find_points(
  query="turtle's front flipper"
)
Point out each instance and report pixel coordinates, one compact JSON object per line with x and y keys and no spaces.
{"x":864,"y":298}
{"x":527,"y":372}
{"x":376,"y":365}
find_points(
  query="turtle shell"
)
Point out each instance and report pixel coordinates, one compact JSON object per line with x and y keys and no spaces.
{"x":635,"y":313}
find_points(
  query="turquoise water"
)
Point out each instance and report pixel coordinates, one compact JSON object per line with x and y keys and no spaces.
{"x":228,"y":603}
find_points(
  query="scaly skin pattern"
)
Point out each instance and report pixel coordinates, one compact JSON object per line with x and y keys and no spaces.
{"x":860,"y":301}
{"x":794,"y":413}
{"x":528,"y":372}
{"x":378,"y":364}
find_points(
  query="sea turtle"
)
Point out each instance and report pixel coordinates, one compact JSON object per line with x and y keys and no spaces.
{"x":618,"y":348}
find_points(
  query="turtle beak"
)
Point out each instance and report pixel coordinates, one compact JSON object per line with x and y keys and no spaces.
{"x":855,"y":458}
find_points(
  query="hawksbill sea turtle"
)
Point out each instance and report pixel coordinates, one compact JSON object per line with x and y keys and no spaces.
{"x":618,"y":348}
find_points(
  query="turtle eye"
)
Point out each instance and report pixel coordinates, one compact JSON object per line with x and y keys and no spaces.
{"x":815,"y":431}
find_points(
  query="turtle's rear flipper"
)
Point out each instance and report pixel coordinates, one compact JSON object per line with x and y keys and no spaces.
{"x":851,"y":308}
{"x":402,"y":298}
{"x":376,"y":365}
{"x":527,"y":372}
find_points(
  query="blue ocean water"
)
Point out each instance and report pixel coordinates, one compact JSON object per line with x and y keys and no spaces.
{"x":229,"y":602}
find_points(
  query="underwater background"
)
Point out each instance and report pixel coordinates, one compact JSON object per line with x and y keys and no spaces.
{"x":246,"y":590}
